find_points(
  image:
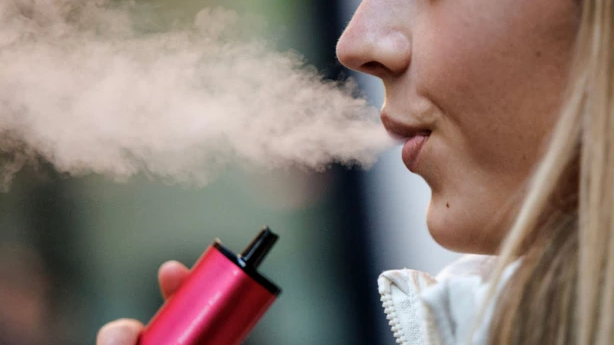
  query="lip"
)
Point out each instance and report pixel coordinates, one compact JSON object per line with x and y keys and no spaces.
{"x":411,"y":151}
{"x":413,"y":136}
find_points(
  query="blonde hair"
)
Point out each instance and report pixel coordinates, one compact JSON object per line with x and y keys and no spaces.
{"x":563,"y":289}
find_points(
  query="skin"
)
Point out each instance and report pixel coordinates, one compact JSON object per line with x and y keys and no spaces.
{"x":487,"y":79}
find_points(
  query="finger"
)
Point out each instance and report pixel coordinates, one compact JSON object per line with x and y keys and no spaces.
{"x":120,"y":332}
{"x":171,"y":275}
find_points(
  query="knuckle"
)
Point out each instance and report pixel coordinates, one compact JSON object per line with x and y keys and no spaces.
{"x":119,"y":332}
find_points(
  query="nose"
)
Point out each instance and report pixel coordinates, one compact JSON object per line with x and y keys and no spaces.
{"x":376,"y":41}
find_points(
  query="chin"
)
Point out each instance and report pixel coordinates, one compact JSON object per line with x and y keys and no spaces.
{"x":458,"y":229}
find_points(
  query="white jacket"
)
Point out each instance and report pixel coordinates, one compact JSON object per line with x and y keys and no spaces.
{"x":423,"y":310}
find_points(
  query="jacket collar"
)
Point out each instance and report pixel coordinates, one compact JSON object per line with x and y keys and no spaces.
{"x":442,"y":310}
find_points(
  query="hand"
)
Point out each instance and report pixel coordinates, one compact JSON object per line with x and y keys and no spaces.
{"x":126,"y":331}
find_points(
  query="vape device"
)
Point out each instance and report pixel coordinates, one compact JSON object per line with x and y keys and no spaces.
{"x":221,"y":300}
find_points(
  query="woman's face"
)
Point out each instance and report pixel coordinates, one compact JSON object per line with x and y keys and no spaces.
{"x":478,"y":85}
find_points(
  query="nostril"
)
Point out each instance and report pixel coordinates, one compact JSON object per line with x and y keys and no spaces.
{"x":374,"y":68}
{"x":372,"y":65}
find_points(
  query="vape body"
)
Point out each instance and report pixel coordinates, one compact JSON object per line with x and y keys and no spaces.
{"x":220,"y":302}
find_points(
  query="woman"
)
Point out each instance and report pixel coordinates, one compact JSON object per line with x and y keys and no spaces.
{"x":507,"y":108}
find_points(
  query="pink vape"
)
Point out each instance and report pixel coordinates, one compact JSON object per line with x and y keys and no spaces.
{"x":220,"y":302}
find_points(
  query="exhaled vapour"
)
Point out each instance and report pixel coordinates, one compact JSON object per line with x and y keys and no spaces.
{"x":83,"y":89}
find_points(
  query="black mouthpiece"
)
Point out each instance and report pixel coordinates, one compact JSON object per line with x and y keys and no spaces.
{"x":256,"y":251}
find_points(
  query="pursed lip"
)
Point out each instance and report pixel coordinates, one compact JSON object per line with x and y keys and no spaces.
{"x":413,"y":136}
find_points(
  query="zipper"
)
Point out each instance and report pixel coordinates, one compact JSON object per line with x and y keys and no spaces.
{"x":393,"y":320}
{"x":399,"y":290}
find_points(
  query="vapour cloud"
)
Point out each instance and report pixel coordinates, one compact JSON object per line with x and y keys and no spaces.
{"x":85,"y":90}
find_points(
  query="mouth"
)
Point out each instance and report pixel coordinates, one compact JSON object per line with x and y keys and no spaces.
{"x":413,"y":137}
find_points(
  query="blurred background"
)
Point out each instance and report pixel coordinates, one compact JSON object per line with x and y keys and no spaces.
{"x":77,"y":253}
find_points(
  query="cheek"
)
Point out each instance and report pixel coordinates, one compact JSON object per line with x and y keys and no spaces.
{"x":498,"y":84}
{"x":498,"y":72}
